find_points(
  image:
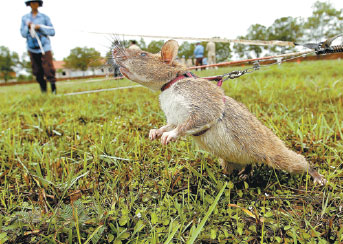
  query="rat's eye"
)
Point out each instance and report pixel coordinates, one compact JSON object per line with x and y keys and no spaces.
{"x":143,"y":54}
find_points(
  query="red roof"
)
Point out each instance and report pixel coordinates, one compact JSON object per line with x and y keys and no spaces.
{"x":59,"y":64}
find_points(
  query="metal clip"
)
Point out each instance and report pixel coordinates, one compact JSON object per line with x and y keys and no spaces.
{"x":328,"y":42}
{"x":238,"y":73}
{"x":324,"y":47}
{"x":256,"y":66}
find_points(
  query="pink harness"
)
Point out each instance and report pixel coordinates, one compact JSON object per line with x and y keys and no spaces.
{"x":219,"y":80}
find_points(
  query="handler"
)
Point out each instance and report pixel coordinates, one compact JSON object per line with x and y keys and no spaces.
{"x":36,"y":28}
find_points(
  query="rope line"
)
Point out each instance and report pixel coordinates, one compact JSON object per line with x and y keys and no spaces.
{"x":98,"y":90}
{"x":268,"y":58}
{"x":216,"y":39}
{"x":70,"y":82}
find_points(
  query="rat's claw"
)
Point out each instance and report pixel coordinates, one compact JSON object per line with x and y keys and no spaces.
{"x":154,"y":133}
{"x":168,"y":136}
{"x":320,"y":180}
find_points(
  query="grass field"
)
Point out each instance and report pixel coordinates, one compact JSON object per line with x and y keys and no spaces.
{"x":81,"y":169}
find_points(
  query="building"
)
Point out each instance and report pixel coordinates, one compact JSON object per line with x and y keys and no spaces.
{"x":11,"y":76}
{"x":62,"y":72}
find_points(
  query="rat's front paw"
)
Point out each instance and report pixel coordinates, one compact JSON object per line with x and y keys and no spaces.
{"x":154,"y":133}
{"x":168,"y":136}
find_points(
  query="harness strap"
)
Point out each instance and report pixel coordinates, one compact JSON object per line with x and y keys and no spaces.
{"x":205,"y":130}
{"x":185,"y":75}
{"x":201,"y":132}
{"x":219,"y":79}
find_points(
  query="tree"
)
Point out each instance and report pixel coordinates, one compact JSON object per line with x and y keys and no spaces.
{"x":186,"y":49}
{"x":25,"y":63}
{"x":142,"y":44}
{"x":155,"y":46}
{"x":223,"y":51}
{"x":325,"y":22}
{"x":8,"y":61}
{"x":255,"y":32}
{"x":83,"y":58}
{"x":285,"y":29}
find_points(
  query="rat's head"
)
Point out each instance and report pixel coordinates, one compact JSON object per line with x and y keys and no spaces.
{"x":151,"y":70}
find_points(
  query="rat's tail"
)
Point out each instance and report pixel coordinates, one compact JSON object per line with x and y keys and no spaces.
{"x":294,"y":163}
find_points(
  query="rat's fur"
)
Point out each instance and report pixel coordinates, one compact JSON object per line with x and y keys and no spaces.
{"x":195,"y":105}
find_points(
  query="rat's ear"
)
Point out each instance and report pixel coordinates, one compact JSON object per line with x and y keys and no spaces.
{"x":169,"y":51}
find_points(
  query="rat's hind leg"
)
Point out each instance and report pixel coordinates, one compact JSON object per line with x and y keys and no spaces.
{"x":229,"y":167}
{"x":317,"y":178}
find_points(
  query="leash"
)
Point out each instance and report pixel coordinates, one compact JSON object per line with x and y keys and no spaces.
{"x":321,"y":48}
{"x":34,"y":34}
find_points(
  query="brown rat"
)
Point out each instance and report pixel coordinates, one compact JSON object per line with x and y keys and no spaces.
{"x":197,"y":107}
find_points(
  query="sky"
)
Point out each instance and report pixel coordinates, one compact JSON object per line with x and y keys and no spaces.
{"x":75,"y":19}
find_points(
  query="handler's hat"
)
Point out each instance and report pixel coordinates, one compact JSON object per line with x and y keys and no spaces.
{"x":27,"y":2}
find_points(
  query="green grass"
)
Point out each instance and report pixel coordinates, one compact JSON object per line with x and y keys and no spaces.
{"x":81,"y":169}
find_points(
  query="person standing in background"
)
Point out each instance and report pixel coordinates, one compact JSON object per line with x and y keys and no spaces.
{"x":183,"y":60}
{"x":133,"y":45}
{"x":211,"y":53}
{"x":198,"y":54}
{"x":36,"y":27}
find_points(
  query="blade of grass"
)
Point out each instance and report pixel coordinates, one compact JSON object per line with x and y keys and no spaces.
{"x":209,"y":212}
{"x":77,"y":224}
{"x":170,"y":237}
{"x":93,"y":234}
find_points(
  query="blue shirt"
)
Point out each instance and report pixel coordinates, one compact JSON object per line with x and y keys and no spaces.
{"x":199,"y":51}
{"x":39,"y":19}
